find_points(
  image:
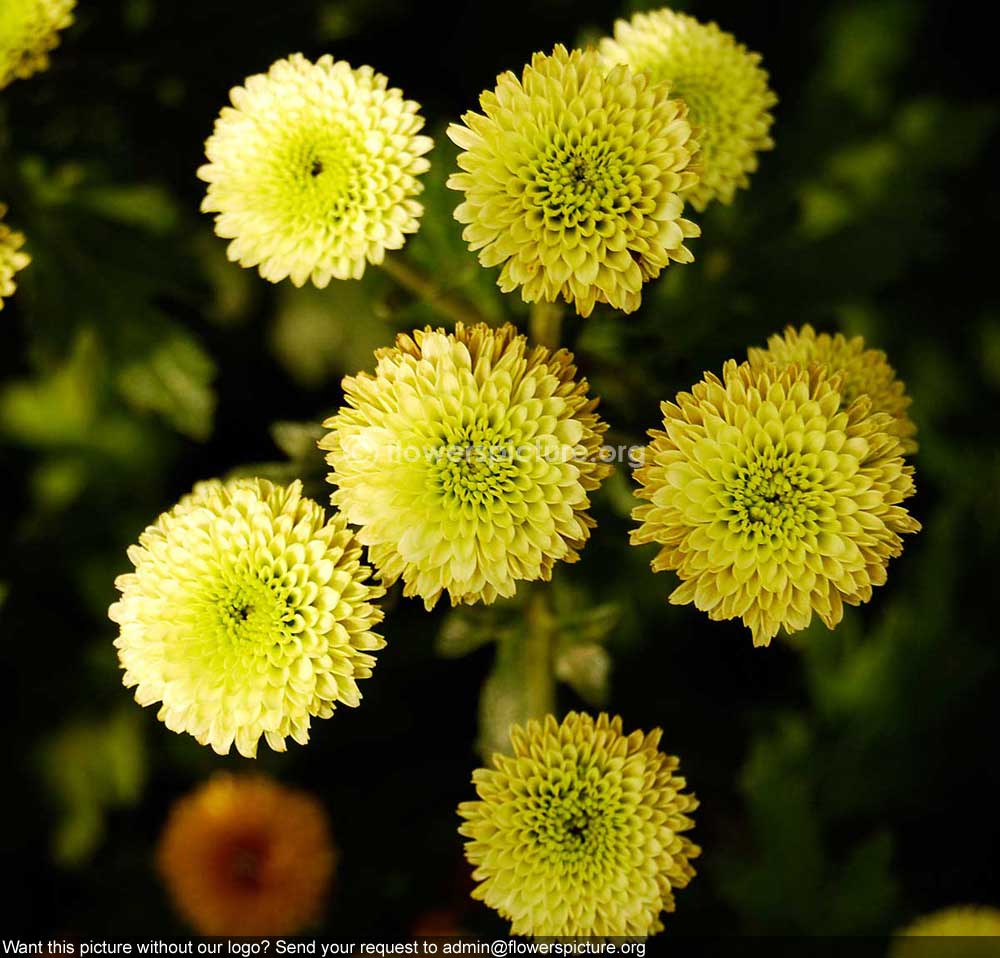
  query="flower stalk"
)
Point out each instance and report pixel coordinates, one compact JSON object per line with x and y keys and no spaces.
{"x":545,"y":324}
{"x":411,"y":277}
{"x":537,"y":658}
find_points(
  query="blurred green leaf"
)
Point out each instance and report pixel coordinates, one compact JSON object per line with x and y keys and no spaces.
{"x":173,"y":379}
{"x":318,"y":335}
{"x":91,"y":768}
{"x":866,"y":44}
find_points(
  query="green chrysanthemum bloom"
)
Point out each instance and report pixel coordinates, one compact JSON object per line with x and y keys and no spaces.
{"x":313,"y":170}
{"x":963,"y":921}
{"x":575,"y":181}
{"x":721,"y":82}
{"x":248,"y":613}
{"x":771,"y":499}
{"x":864,"y":372}
{"x":466,"y":460}
{"x":12,"y":258}
{"x":580,"y":831}
{"x":29,"y":31}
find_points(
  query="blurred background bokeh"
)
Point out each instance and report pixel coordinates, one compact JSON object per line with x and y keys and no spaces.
{"x":848,"y":780}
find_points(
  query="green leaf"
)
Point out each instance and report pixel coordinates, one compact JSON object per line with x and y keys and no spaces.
{"x":174,"y":380}
{"x":92,"y":767}
{"x":320,"y":334}
{"x":586,"y":668}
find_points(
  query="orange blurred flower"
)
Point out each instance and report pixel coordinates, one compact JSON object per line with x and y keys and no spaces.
{"x":244,"y":855}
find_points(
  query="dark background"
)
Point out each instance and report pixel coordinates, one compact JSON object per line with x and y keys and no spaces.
{"x":848,"y":780}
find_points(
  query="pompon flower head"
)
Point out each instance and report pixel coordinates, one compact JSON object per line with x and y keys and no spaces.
{"x":773,"y":500}
{"x":29,"y":31}
{"x":12,"y":258}
{"x":466,"y":460}
{"x":575,"y":181}
{"x":248,"y":613}
{"x":243,"y":855}
{"x":863,"y":372}
{"x":581,"y":830}
{"x":722,"y":84}
{"x":962,"y":921}
{"x":313,"y":171}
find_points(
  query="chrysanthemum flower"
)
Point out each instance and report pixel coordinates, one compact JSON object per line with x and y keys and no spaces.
{"x":466,"y":460}
{"x":771,"y":499}
{"x":580,"y":831}
{"x":12,"y":258}
{"x":963,"y":921}
{"x":243,"y":855}
{"x":29,"y":31}
{"x":721,"y":82}
{"x":575,"y":181}
{"x":248,"y":613}
{"x":863,"y":372}
{"x":313,"y":170}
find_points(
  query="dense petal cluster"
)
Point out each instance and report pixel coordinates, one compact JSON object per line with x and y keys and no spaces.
{"x":29,"y":31}
{"x":863,"y":372}
{"x":721,"y":82}
{"x":314,"y":169}
{"x":575,"y":181}
{"x":771,"y":499}
{"x":12,"y":258}
{"x":466,"y":460}
{"x":243,"y":855}
{"x":962,"y":921}
{"x":580,"y":831}
{"x":248,"y":613}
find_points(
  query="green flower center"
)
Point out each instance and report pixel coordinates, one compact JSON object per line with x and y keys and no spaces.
{"x":476,"y":464}
{"x":322,"y":174}
{"x":774,"y":497}
{"x":253,"y":611}
{"x":575,"y":182}
{"x":573,"y":821}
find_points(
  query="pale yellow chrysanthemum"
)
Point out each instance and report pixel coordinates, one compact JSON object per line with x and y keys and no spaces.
{"x":313,"y":171}
{"x":29,"y":31}
{"x":248,"y":613}
{"x":575,"y":181}
{"x":466,"y":460}
{"x":722,"y":84}
{"x":960,"y":922}
{"x":580,"y":831}
{"x":244,"y":855}
{"x":864,"y":372}
{"x":12,"y":258}
{"x":771,"y":499}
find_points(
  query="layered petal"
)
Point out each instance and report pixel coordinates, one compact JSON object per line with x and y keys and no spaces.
{"x":722,"y":83}
{"x":249,"y":613}
{"x":12,"y":257}
{"x":581,"y":830}
{"x":863,"y":372}
{"x":466,"y":461}
{"x":574,"y":181}
{"x":29,"y":31}
{"x":314,"y":170}
{"x":771,"y":499}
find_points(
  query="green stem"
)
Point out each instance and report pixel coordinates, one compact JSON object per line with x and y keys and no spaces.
{"x":537,"y":655}
{"x":410,"y":276}
{"x":545,"y":324}
{"x":537,"y":659}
